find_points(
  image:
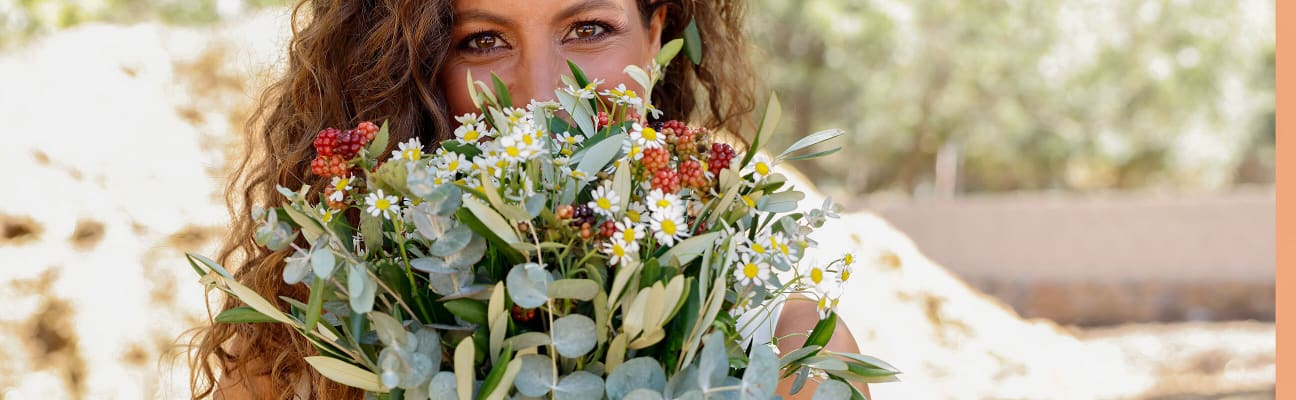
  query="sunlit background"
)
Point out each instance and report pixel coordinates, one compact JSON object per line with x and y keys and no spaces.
{"x":1059,"y":198}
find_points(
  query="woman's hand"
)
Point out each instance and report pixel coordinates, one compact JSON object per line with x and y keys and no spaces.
{"x":799,"y":317}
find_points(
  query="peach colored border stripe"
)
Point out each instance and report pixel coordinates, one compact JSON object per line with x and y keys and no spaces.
{"x":1286,"y":192}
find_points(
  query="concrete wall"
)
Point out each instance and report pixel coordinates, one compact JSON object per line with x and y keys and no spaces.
{"x":1109,"y":258}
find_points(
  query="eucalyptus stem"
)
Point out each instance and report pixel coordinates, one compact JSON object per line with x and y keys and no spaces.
{"x":409,"y":271}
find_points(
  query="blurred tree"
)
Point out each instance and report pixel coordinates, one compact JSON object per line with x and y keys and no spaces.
{"x":1044,"y":94}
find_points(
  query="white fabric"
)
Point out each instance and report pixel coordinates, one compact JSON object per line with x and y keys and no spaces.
{"x":757,"y":326}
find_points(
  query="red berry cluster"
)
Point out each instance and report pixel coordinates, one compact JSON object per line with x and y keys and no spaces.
{"x":333,"y":148}
{"x":607,"y":229}
{"x":602,"y":120}
{"x":666,"y":180}
{"x":721,"y":155}
{"x":655,"y":159}
{"x":691,"y":175}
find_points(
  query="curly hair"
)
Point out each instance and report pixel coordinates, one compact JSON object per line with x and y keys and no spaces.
{"x":375,"y":60}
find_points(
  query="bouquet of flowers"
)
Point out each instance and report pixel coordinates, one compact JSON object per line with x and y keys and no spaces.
{"x":567,"y":249}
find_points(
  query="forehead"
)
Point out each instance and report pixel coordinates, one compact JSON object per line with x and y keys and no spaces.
{"x":505,"y":11}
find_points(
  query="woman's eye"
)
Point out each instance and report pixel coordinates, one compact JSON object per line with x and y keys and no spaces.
{"x":586,"y":31}
{"x":483,"y":41}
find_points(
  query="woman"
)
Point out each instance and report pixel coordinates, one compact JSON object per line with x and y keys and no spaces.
{"x":405,"y":62}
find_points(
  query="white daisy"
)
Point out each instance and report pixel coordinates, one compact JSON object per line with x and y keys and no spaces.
{"x":512,"y":149}
{"x":569,"y":139}
{"x":629,"y":233}
{"x":605,"y":201}
{"x":646,"y":136}
{"x":759,"y":247}
{"x":751,"y":270}
{"x":579,"y":93}
{"x":579,"y":175}
{"x":662,"y":203}
{"x":668,"y":227}
{"x":761,"y":166}
{"x":454,"y":162}
{"x":327,"y":214}
{"x":635,"y":212}
{"x":410,"y":150}
{"x":381,"y":205}
{"x":471,"y":132}
{"x":620,"y":95}
{"x":469,"y":119}
{"x":341,"y":184}
{"x":618,"y":251}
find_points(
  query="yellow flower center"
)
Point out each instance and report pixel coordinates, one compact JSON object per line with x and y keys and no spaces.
{"x":650,"y":134}
{"x":634,"y":215}
{"x":816,"y":275}
{"x":823,"y":303}
{"x":528,"y":139}
{"x":382,"y":204}
{"x":512,"y":151}
{"x":748,"y":200}
{"x":668,"y":226}
{"x":412,"y":154}
{"x":342,"y":184}
{"x":453,"y":165}
{"x":758,"y":248}
{"x":845,"y":274}
{"x":603,"y":203}
{"x":784,"y":248}
{"x":762,"y":168}
{"x":663,"y":203}
{"x":472,"y":135}
{"x":566,"y":151}
{"x":751,"y":271}
{"x":617,"y":250}
{"x":328,"y":216}
{"x":628,"y":235}
{"x":849,"y":259}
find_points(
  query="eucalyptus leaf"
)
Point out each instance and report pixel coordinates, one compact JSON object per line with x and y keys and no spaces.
{"x":580,"y":385}
{"x":453,"y":240}
{"x":536,"y":377}
{"x":713,"y":364}
{"x":832,"y":390}
{"x":528,"y":285}
{"x":443,"y":386}
{"x":780,"y":202}
{"x":390,"y":331}
{"x":638,"y":373}
{"x":469,"y":255}
{"x":322,"y":260}
{"x":535,"y":204}
{"x":643,"y":394}
{"x":761,"y":377}
{"x":573,"y":335}
{"x":362,"y":289}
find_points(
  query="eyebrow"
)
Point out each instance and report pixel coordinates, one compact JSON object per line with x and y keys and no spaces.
{"x":570,"y":11}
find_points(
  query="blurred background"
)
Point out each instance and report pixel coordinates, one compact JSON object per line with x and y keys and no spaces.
{"x":1072,"y":198}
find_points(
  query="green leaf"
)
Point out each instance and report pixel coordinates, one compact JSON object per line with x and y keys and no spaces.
{"x":347,"y":374}
{"x":693,"y":42}
{"x":597,"y":156}
{"x":499,"y":378}
{"x":769,"y":121}
{"x":689,"y":249}
{"x":798,"y":355}
{"x":378,"y":146}
{"x":310,"y":228}
{"x":811,"y":140}
{"x":471,"y":311}
{"x":669,"y":50}
{"x":371,"y":229}
{"x":578,"y":289}
{"x":501,"y":91}
{"x":822,"y":331}
{"x":813,"y":155}
{"x":573,"y":335}
{"x":492,"y":220}
{"x":581,"y":80}
{"x":316,"y":306}
{"x":242,"y":315}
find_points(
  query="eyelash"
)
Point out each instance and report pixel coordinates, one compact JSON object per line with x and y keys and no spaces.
{"x":608,"y":29}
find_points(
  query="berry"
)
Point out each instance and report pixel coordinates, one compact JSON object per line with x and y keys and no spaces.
{"x":349,"y":143}
{"x":564,"y":211}
{"x":329,"y":166}
{"x":325,"y":141}
{"x":721,"y":155}
{"x":602,"y":120}
{"x":686,"y":143}
{"x":691,"y":174}
{"x":666,"y":180}
{"x":582,"y":215}
{"x":674,"y":125}
{"x":368,"y":129}
{"x":607,"y":229}
{"x":655,"y":159}
{"x":521,"y":314}
{"x":585,"y":232}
